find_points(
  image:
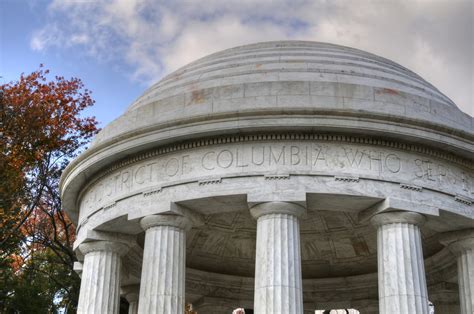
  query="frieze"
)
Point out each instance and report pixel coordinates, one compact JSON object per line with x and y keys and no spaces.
{"x":282,"y":137}
{"x":278,"y":159}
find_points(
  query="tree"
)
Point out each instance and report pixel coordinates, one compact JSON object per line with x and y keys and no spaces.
{"x":41,"y":130}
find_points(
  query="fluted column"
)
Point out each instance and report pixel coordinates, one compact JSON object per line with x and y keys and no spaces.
{"x":278,"y":281}
{"x":401,"y":270}
{"x":131,"y":293}
{"x":462,"y":244}
{"x":132,"y":303}
{"x":100,"y":284}
{"x":164,"y":265}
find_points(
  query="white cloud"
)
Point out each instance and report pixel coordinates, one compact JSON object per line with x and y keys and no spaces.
{"x":204,"y":37}
{"x":78,"y":39}
{"x":46,"y":37}
{"x":434,"y":38}
{"x":38,"y":42}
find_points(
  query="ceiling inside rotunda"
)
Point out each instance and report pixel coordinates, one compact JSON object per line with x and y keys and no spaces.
{"x":333,"y":244}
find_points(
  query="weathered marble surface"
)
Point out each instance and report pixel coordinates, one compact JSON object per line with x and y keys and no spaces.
{"x":267,"y":88}
{"x":466,"y":279}
{"x":278,"y":280}
{"x":461,"y":243}
{"x":100,"y":282}
{"x":402,"y":279}
{"x":131,"y":294}
{"x":316,"y":166}
{"x":289,"y":75}
{"x":164,"y":262}
{"x":310,"y":157}
{"x":344,"y":132}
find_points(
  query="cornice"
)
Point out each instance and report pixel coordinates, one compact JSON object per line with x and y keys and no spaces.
{"x":285,"y":137}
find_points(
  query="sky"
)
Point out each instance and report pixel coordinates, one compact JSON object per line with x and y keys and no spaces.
{"x":120,"y":47}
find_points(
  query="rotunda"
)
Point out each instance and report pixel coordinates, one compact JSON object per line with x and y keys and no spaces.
{"x":283,"y":177}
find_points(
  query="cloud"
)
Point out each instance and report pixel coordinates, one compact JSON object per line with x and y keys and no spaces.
{"x":433,"y":38}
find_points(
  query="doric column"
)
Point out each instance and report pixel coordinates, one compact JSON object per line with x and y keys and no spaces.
{"x":132,"y":299}
{"x":278,"y":282}
{"x":461,"y":243}
{"x":100,"y":284}
{"x":401,"y":270}
{"x":131,"y":294}
{"x":164,"y":264}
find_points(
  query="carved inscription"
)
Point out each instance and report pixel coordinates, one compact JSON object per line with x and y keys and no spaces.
{"x":313,"y":156}
{"x":336,"y":159}
{"x":437,"y":172}
{"x":375,"y":160}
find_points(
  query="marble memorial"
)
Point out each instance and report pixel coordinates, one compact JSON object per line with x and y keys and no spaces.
{"x":283,"y":177}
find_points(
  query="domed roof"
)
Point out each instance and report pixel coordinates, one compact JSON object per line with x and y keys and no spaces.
{"x":294,"y":61}
{"x":291,"y":78}
{"x":284,"y":86}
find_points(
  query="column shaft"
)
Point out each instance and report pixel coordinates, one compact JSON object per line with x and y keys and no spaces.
{"x":131,"y":294}
{"x":163,"y":271}
{"x":278,"y":281}
{"x":133,"y":307}
{"x":466,"y":280}
{"x":461,"y":243}
{"x":100,"y":284}
{"x":401,"y":271}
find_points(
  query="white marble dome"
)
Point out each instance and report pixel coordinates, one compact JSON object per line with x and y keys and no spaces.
{"x":280,"y":86}
{"x":352,"y":168}
{"x":294,"y":78}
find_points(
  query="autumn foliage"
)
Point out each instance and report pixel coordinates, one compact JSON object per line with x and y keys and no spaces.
{"x":41,"y":130}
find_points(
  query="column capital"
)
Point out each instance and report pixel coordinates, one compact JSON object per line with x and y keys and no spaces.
{"x":107,"y":246}
{"x":386,"y":218}
{"x":267,"y":208}
{"x":172,"y":220}
{"x":458,"y":241}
